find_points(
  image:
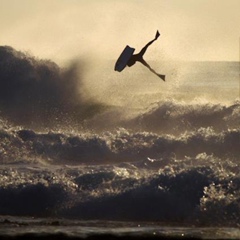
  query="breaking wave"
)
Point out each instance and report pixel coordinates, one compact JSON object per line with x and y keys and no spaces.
{"x":191,"y":178}
{"x":174,"y":162}
{"x":202,"y":191}
{"x":171,"y":117}
{"x":38,"y":93}
{"x":114,"y":147}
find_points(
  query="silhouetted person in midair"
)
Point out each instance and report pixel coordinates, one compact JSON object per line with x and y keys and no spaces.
{"x":139,"y":58}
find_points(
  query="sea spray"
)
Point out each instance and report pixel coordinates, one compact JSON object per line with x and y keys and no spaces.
{"x":174,"y":162}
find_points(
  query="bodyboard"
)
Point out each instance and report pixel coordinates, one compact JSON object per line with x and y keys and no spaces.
{"x":123,"y":58}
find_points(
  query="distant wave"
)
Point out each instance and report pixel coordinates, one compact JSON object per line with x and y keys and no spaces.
{"x":169,"y":117}
{"x":174,"y":117}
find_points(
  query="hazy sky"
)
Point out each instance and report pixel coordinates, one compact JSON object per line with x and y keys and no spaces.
{"x":65,"y":29}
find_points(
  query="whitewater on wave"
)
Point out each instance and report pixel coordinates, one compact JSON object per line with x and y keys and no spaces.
{"x":66,"y":155}
{"x":121,"y":175}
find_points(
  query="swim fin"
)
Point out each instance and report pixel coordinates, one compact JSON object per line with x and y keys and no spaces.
{"x":162,"y":77}
{"x":157,"y":35}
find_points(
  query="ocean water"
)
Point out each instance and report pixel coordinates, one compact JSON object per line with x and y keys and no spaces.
{"x":80,"y":160}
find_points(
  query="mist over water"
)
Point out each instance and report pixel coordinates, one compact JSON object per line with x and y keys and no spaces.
{"x":87,"y":143}
{"x":38,"y":93}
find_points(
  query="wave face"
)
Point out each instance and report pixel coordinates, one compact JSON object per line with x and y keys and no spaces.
{"x":173,"y":162}
{"x":173,"y":118}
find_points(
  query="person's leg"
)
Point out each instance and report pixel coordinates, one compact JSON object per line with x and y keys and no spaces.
{"x":145,"y":48}
{"x":147,"y":65}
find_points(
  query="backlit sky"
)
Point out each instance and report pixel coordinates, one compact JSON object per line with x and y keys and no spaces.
{"x":66,"y":29}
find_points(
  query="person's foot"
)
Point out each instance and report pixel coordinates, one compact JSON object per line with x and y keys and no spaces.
{"x":157,"y":35}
